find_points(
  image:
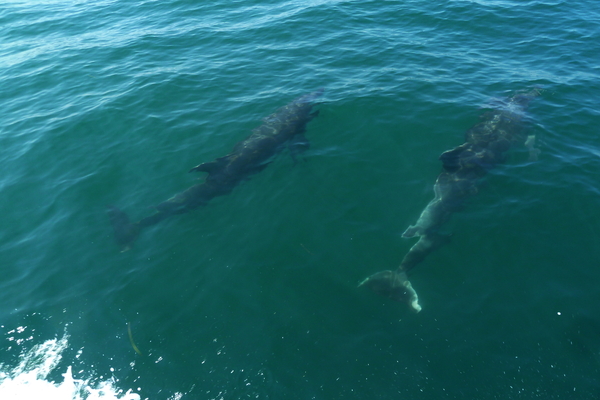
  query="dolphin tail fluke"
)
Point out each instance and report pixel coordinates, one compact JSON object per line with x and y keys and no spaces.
{"x":125,"y":231}
{"x":394,"y":285}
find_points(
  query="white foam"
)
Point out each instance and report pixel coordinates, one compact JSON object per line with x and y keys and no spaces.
{"x":29,"y":379}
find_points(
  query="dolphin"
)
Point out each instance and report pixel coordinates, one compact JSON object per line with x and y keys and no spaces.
{"x":286,"y":126}
{"x":486,"y":145}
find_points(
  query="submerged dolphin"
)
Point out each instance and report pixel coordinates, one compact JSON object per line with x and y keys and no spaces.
{"x":486,"y":145}
{"x":286,"y":125}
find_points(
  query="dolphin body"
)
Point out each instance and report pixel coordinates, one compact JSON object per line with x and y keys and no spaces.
{"x":252,"y":155}
{"x":486,"y":145}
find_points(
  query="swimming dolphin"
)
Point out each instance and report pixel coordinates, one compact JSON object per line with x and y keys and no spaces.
{"x":486,"y":145}
{"x":252,"y":155}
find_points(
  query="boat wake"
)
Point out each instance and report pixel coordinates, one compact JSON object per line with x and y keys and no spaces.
{"x":30,"y":378}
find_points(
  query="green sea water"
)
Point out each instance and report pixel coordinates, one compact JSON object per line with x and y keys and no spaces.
{"x":255,"y":295}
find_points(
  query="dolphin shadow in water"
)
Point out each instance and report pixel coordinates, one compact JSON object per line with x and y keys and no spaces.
{"x":252,"y":155}
{"x":486,"y":145}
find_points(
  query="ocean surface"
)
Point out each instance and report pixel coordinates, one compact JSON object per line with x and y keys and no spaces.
{"x":255,"y":296}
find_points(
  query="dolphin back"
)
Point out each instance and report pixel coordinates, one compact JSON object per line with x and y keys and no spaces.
{"x":256,"y":151}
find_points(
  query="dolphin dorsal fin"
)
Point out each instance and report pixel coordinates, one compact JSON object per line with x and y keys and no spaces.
{"x":210,"y":166}
{"x":450,"y":158}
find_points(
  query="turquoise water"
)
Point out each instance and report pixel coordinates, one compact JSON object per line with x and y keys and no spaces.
{"x":254,"y":295}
